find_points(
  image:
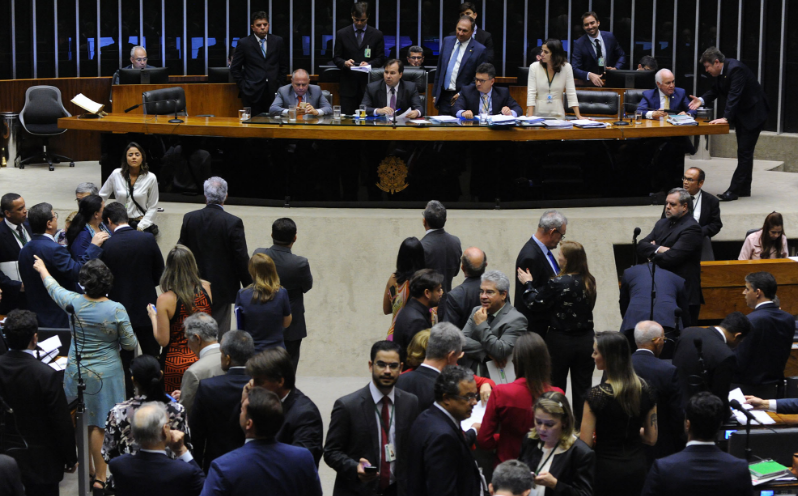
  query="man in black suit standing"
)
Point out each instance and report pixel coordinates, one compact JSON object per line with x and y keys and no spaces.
{"x":442,"y":251}
{"x":426,"y":289}
{"x":704,"y":208}
{"x":460,"y":301}
{"x":295,"y":277}
{"x":635,"y":299}
{"x":704,"y":358}
{"x":42,"y":419}
{"x":392,"y":94}
{"x":369,"y":428}
{"x":302,"y":426}
{"x":357,"y":45}
{"x":663,"y":377}
{"x":675,"y":245}
{"x":218,"y":242}
{"x":536,"y":256}
{"x":14,"y":234}
{"x":214,"y":416}
{"x":701,"y":468}
{"x":746,"y":109}
{"x":440,"y":458}
{"x":761,"y":358}
{"x":259,"y":65}
{"x":150,"y":471}
{"x":482,"y":36}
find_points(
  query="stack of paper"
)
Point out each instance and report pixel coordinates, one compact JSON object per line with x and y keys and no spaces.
{"x":502,"y":119}
{"x":86,"y":104}
{"x":361,"y":68}
{"x":531,"y":120}
{"x":477,"y":414}
{"x":761,"y":416}
{"x":59,"y":364}
{"x":682,"y":120}
{"x":588,"y":124}
{"x":443,"y":118}
{"x":558,"y":124}
{"x":48,"y":349}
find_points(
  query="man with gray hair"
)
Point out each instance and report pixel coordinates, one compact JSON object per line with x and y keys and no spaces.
{"x":675,"y":244}
{"x":536,"y":256}
{"x":219,"y":245}
{"x":494,"y":326}
{"x":462,"y":299}
{"x":666,"y":98}
{"x":201,"y":337}
{"x":150,"y":470}
{"x":442,"y":251}
{"x":307,"y":97}
{"x":85,"y":189}
{"x":511,"y":478}
{"x":138,"y":60}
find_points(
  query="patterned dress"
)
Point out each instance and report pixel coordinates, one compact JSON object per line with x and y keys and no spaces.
{"x":177,"y":356}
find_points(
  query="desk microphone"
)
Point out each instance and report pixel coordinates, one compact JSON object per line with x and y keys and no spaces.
{"x":634,"y":242}
{"x":175,"y":120}
{"x":737,"y":406}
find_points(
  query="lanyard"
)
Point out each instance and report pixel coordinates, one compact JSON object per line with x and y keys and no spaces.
{"x":390,"y":419}
{"x":547,"y":458}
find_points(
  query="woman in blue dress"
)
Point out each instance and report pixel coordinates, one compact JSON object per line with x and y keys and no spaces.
{"x":102,"y":327}
{"x":262,"y":308}
{"x":86,"y":223}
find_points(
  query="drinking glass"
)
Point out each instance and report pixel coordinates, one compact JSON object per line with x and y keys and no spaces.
{"x":292,"y":113}
{"x":638,"y":117}
{"x":242,"y":115}
{"x":247,"y":113}
{"x":337,"y":112}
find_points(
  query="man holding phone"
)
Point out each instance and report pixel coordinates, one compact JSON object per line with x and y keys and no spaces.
{"x":378,"y":415}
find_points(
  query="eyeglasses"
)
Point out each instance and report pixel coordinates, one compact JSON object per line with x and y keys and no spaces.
{"x":414,"y":57}
{"x":468,"y":397}
{"x":562,"y":236}
{"x":383,"y":365}
{"x":481,"y":81}
{"x":55,"y":216}
{"x":688,"y":179}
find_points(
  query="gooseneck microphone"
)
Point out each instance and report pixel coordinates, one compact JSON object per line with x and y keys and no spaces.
{"x":737,"y":406}
{"x":634,"y":242}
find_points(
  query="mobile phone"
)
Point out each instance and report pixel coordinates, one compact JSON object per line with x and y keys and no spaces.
{"x":153,"y":308}
{"x":370,"y":469}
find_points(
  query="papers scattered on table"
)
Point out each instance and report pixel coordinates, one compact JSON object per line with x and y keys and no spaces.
{"x":682,"y":120}
{"x":59,"y":364}
{"x":477,"y":414}
{"x":50,"y":345}
{"x":502,"y":119}
{"x":361,"y":68}
{"x":588,"y":124}
{"x":86,"y":104}
{"x":558,"y":124}
{"x":443,"y":118}
{"x":501,"y":376}
{"x":761,"y":416}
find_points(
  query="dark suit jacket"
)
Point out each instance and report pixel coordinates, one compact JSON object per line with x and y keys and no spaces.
{"x":584,"y":58}
{"x":484,"y":38}
{"x":217,"y":240}
{"x":787,"y":405}
{"x":286,"y":97}
{"x":61,"y":266}
{"x":376,"y":97}
{"x":442,"y":254}
{"x":762,"y":355}
{"x":10,"y":478}
{"x":684,"y":239}
{"x":719,"y":360}
{"x":352,"y":435}
{"x":259,"y":77}
{"x":440,"y":462}
{"x":155,"y":474}
{"x":472,"y":58}
{"x":746,"y":103}
{"x":663,"y":377}
{"x":635,"y":300}
{"x":704,"y":470}
{"x":461,"y":301}
{"x":302,"y":425}
{"x":214,"y":417}
{"x":574,"y":469}
{"x":531,"y":257}
{"x":261,"y":467}
{"x":411,"y":319}
{"x":36,"y":393}
{"x":709,"y":220}
{"x":137,"y":264}
{"x":470,"y":99}
{"x":420,"y":382}
{"x":9,"y":252}
{"x":295,"y":277}
{"x":678,"y":101}
{"x":346,"y":48}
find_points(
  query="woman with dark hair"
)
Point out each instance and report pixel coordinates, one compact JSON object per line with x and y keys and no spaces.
{"x":508,"y":415}
{"x":262,"y":308}
{"x":134,"y":186}
{"x":147,"y":386}
{"x":768,"y":242}
{"x":102,"y":326}
{"x":557,"y":458}
{"x":548,"y":80}
{"x":184,"y":293}
{"x":615,"y":412}
{"x":409,"y":260}
{"x":569,"y":299}
{"x":86,"y":223}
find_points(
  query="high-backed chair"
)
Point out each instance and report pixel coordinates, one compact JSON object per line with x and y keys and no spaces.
{"x":594,"y":103}
{"x":219,"y":75}
{"x":330,"y":75}
{"x":165,"y":101}
{"x":39,"y":117}
{"x":415,"y":75}
{"x":523,"y":76}
{"x":631,"y":100}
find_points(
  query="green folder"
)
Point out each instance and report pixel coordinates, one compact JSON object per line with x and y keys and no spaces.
{"x":768,"y":469}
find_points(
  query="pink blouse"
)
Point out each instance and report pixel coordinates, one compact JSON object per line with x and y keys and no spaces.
{"x":752,"y":248}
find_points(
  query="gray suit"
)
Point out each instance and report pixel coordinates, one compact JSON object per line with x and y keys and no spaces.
{"x":496,"y":339}
{"x":210,"y":365}
{"x":286,"y":96}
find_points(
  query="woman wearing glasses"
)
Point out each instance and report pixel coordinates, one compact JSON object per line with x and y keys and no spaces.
{"x":768,"y":242}
{"x":548,"y":80}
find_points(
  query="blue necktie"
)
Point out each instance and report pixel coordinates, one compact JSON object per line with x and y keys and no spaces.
{"x":553,"y":262}
{"x":450,"y":67}
{"x":263,"y":46}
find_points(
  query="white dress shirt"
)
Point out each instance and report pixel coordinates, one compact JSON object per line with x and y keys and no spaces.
{"x":456,"y":69}
{"x":546,"y":254}
{"x":603,"y":48}
{"x":145,"y":191}
{"x":697,"y":206}
{"x":13,"y":227}
{"x":208,"y":349}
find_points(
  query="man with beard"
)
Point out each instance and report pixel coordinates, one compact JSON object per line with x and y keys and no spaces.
{"x":426,"y":290}
{"x":377,"y":416}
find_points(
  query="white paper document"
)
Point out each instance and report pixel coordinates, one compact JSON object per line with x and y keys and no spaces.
{"x":502,"y":119}
{"x":87,"y":104}
{"x":417,"y":121}
{"x":761,"y":416}
{"x":11,"y":270}
{"x":501,"y":376}
{"x":587,"y":123}
{"x":48,"y":345}
{"x":477,"y":414}
{"x":534,"y":118}
{"x":59,"y":364}
{"x":443,"y":118}
{"x":361,"y":68}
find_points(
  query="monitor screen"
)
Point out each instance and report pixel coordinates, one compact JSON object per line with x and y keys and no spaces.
{"x":643,"y":80}
{"x":155,"y":75}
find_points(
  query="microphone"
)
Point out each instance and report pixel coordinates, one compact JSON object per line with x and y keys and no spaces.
{"x":634,"y":242}
{"x":637,"y":232}
{"x":737,"y":406}
{"x":5,"y":406}
{"x":134,"y":107}
{"x":70,"y":309}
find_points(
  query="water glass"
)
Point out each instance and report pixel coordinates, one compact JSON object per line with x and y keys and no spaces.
{"x":292,"y":113}
{"x":638,"y":117}
{"x":242,"y":115}
{"x":337,"y":112}
{"x":483,"y":118}
{"x":361,"y":112}
{"x":247,"y":113}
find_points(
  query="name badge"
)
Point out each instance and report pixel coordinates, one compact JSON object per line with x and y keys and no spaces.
{"x":390,"y":453}
{"x":367,"y":52}
{"x":601,"y":61}
{"x":549,"y":99}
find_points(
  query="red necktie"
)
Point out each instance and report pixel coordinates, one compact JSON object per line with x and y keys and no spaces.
{"x":385,"y":465}
{"x":299,"y":100}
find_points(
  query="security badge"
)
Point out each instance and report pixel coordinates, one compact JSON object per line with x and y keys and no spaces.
{"x":390,"y":453}
{"x":367,"y":52}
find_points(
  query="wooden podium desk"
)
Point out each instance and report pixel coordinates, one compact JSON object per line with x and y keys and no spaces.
{"x":219,"y":99}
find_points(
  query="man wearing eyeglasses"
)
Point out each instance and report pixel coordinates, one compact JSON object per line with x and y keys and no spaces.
{"x":704,"y":208}
{"x":482,"y":97}
{"x":415,"y":56}
{"x":376,"y":416}
{"x":138,"y":60}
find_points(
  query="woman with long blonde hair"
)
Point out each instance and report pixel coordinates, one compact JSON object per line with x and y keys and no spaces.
{"x":263,"y":308}
{"x":568,"y":298}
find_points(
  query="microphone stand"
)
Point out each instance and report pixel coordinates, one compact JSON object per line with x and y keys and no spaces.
{"x":80,"y":417}
{"x":634,"y":242}
{"x":171,"y":121}
{"x":653,"y":290}
{"x":621,"y":112}
{"x":748,"y":452}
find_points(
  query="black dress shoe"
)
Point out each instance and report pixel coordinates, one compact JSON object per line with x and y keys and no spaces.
{"x":728,"y":196}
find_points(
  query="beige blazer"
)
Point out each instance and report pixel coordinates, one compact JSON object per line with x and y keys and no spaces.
{"x":209,"y":365}
{"x":538,"y":90}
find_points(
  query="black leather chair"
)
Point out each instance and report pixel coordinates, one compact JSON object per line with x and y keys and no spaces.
{"x":415,"y":75}
{"x":594,"y":103}
{"x":219,"y":75}
{"x":330,"y":75}
{"x":39,"y":117}
{"x":328,"y":96}
{"x":165,"y":101}
{"x":631,"y":100}
{"x":523,"y":76}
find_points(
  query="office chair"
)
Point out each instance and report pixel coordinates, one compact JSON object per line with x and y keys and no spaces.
{"x":39,"y":117}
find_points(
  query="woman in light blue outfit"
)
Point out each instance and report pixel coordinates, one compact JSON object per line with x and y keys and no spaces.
{"x":87,"y":223}
{"x":102,"y":326}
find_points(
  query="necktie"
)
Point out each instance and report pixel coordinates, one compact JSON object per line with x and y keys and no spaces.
{"x":393,"y":98}
{"x":385,"y":465}
{"x":299,"y":100}
{"x":692,"y":198}
{"x":263,"y":46}
{"x":359,"y":37}
{"x":450,"y":68}
{"x":21,"y":232}
{"x":491,"y":318}
{"x":598,"y":48}
{"x":553,"y":262}
{"x":485,"y":108}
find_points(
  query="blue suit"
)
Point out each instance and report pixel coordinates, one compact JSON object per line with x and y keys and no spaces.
{"x":156,"y":474}
{"x":584,"y":59}
{"x":699,"y":469}
{"x":472,"y":58}
{"x":470,"y":99}
{"x":787,"y":405}
{"x":763,"y":354}
{"x":261,"y":467}
{"x":635,"y":299}
{"x":679,"y":101}
{"x":61,"y":266}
